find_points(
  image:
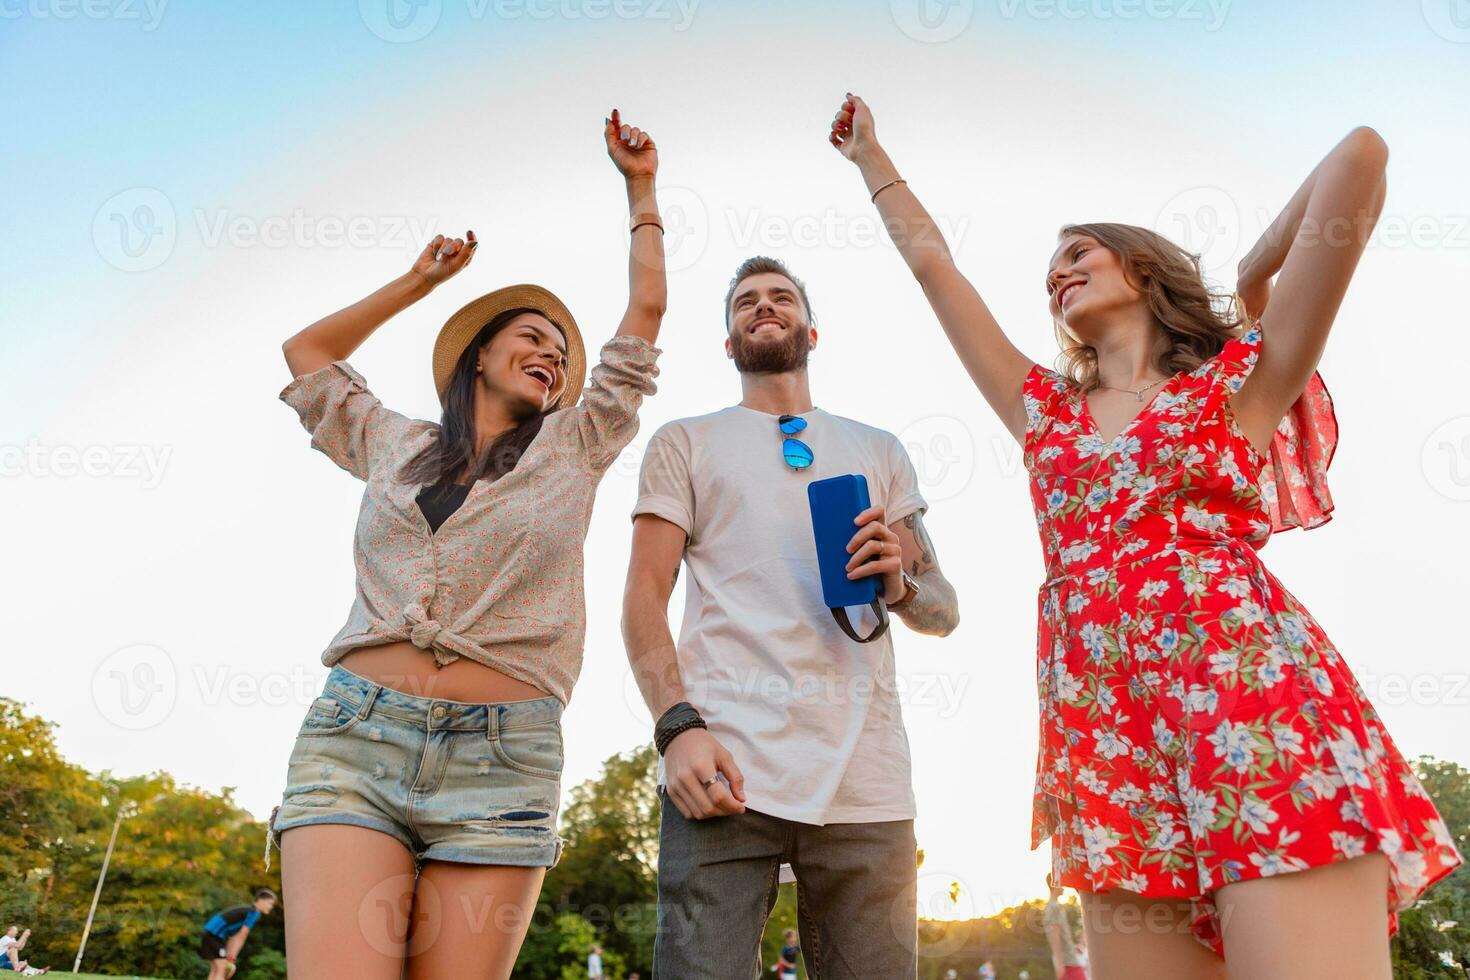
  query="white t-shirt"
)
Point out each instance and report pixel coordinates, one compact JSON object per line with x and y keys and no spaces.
{"x":6,"y":942}
{"x":811,"y":717}
{"x":594,"y":966}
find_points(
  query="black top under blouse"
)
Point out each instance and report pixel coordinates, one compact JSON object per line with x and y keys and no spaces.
{"x":441,"y":500}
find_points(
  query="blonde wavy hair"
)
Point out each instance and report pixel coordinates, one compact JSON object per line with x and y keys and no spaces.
{"x":1195,"y":320}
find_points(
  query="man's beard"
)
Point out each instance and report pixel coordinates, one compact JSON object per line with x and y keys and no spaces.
{"x":764,"y":357}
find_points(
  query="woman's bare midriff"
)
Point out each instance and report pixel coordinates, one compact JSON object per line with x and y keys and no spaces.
{"x":403,"y":667}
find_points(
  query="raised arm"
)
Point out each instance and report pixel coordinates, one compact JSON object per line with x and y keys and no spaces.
{"x":1315,"y":245}
{"x":996,"y":366}
{"x":636,"y":157}
{"x":334,"y":337}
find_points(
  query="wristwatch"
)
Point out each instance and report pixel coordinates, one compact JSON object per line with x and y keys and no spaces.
{"x":911,"y":589}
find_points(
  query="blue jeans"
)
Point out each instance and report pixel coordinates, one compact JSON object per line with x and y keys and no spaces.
{"x":856,"y":895}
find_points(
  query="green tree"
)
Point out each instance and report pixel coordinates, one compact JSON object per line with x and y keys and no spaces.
{"x":1438,"y":926}
{"x":558,"y":951}
{"x":608,"y":872}
{"x":52,"y":809}
{"x":184,"y":854}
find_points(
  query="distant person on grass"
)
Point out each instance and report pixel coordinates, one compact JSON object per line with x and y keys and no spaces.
{"x":225,"y":933}
{"x":1067,"y":959}
{"x":10,"y":946}
{"x":790,"y":950}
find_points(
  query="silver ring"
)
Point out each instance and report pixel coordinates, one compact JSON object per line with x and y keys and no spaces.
{"x":710,"y":782}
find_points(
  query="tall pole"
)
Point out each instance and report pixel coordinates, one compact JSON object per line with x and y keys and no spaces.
{"x":77,"y":966}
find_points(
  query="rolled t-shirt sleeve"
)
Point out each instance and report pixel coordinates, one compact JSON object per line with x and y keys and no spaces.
{"x":664,"y":486}
{"x":904,"y":497}
{"x":346,"y":420}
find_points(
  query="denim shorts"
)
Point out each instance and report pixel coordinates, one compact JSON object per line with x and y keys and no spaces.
{"x":453,"y":781}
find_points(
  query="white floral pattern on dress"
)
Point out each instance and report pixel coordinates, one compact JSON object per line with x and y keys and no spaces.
{"x":1170,"y":660}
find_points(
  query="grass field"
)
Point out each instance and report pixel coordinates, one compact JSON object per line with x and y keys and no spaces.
{"x":99,"y":976}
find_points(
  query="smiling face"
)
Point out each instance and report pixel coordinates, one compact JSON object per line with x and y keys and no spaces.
{"x":1085,"y":284}
{"x":525,"y":363}
{"x":769,"y":326}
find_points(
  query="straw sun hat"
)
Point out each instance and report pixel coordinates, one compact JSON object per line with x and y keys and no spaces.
{"x":461,"y":328}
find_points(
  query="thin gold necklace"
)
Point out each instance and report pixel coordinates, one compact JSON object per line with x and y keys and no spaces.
{"x":1138,"y":394}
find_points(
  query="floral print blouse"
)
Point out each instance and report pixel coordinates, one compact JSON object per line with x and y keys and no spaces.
{"x":501,"y":581}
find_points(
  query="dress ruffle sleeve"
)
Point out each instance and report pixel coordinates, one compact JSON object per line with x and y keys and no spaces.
{"x":1293,"y":479}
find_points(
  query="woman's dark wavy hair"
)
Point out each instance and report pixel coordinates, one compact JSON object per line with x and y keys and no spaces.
{"x":453,"y":452}
{"x":1195,"y":320}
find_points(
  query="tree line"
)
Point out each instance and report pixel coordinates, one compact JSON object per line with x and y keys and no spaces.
{"x":184,"y":853}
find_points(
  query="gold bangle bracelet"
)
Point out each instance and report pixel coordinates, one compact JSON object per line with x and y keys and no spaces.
{"x":639,"y":220}
{"x":896,"y":180}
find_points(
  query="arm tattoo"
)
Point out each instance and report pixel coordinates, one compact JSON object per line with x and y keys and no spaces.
{"x":926,"y":557}
{"x":935,"y":610}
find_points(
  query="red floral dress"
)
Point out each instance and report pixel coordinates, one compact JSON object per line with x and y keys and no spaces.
{"x":1197,"y":726}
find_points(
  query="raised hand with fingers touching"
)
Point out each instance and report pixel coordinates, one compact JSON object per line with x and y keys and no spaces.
{"x":852,"y":128}
{"x":443,"y":257}
{"x":632,"y":150}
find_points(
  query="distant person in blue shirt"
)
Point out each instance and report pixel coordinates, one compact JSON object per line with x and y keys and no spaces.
{"x":225,"y":933}
{"x":790,"y":952}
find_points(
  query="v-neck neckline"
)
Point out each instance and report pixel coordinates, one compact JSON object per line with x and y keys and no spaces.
{"x":463,"y":504}
{"x":1092,"y":422}
{"x":481,"y":485}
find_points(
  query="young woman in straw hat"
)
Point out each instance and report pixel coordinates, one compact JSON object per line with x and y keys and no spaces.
{"x":1208,"y":764}
{"x":420,"y":812}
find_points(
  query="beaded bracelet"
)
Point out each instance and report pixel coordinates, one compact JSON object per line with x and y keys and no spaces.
{"x":677,"y":720}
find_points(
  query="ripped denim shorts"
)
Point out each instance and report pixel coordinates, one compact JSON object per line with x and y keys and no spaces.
{"x":454,"y":781}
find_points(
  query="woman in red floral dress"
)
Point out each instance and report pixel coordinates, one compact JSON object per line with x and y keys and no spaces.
{"x":1213,"y":779}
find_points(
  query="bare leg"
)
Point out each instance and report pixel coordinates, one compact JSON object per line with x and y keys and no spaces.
{"x":348,"y":892}
{"x":1330,"y":921}
{"x":470,"y":919}
{"x":1129,"y":936}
